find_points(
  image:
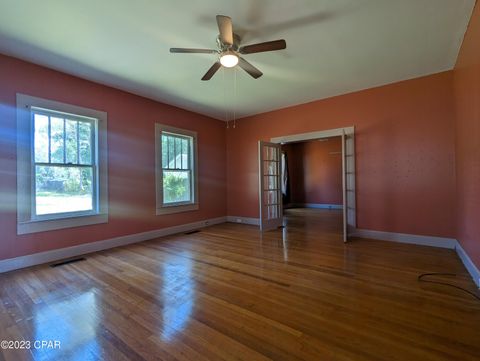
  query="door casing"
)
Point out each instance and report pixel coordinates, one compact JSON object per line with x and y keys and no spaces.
{"x":348,"y":160}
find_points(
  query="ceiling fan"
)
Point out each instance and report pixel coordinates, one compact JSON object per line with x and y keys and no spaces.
{"x":229,"y":50}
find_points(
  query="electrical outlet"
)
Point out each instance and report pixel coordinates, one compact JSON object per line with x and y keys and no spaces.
{"x":239,"y":220}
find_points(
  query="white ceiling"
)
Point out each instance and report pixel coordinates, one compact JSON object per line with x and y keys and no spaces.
{"x":333,"y":47}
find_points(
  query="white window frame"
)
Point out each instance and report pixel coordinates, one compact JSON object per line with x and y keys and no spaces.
{"x":27,"y":221}
{"x":169,"y":208}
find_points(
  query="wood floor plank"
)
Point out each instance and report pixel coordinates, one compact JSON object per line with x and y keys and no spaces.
{"x":230,"y":292}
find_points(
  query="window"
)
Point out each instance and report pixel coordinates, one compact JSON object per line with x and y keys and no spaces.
{"x":176,"y":175}
{"x":64,"y":165}
{"x":61,"y":165}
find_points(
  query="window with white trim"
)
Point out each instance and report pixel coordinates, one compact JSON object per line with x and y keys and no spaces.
{"x":61,"y":162}
{"x":176,"y":175}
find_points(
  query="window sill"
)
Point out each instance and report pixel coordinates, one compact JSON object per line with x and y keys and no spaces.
{"x":62,"y":223}
{"x":177,"y":209}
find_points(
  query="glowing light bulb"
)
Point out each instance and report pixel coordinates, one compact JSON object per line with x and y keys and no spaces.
{"x":229,"y":59}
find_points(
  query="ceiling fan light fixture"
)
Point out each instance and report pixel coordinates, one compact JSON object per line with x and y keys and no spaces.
{"x":229,"y":52}
{"x":229,"y":59}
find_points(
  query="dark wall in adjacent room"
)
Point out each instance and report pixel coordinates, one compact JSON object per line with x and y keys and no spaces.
{"x":315,"y":171}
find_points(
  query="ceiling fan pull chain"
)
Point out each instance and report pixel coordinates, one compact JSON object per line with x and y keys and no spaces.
{"x":225,"y":96}
{"x":234,"y":96}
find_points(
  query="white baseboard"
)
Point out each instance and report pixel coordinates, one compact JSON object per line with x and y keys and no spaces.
{"x":314,"y":205}
{"x":406,"y":238}
{"x":57,"y":254}
{"x":424,"y":241}
{"x":322,"y":206}
{"x":244,"y":220}
{"x":62,"y":253}
{"x":468,"y":263}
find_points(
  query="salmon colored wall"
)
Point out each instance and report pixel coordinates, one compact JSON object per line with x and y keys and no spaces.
{"x":315,"y":174}
{"x":405,"y":171}
{"x":131,"y":158}
{"x":467,"y":101}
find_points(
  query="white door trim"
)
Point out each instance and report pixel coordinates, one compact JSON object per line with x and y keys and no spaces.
{"x":314,"y":135}
{"x":349,"y":172}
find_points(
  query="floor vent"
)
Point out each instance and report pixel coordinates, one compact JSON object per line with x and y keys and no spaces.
{"x":67,"y":261}
{"x":192,"y":232}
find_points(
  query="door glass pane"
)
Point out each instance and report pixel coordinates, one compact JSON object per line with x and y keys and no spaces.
{"x":270,"y":197}
{"x":41,"y":138}
{"x":56,"y":140}
{"x":270,"y":182}
{"x":272,"y":212}
{"x":265,"y":153}
{"x":176,"y":186}
{"x":270,"y":153}
{"x":270,"y":167}
{"x":63,"y":189}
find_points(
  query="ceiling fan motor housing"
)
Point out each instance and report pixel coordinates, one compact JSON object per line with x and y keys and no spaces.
{"x":224,"y":47}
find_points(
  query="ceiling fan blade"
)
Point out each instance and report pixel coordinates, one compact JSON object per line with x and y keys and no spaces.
{"x":261,"y":47}
{"x":213,"y":69}
{"x":249,"y":68}
{"x":226,"y":29}
{"x":193,"y":51}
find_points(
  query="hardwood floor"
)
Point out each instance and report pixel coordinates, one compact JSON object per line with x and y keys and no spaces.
{"x":231,"y":293}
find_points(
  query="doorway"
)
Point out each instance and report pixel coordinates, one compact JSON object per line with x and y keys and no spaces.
{"x":347,"y":155}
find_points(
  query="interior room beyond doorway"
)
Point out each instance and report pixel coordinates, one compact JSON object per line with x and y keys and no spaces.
{"x":312,"y":174}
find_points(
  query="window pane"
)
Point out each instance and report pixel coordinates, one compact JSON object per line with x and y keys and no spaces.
{"x":171,"y":152}
{"x":71,"y":141}
{"x":41,"y":138}
{"x":178,"y":153}
{"x":56,"y":140}
{"x":176,"y":186}
{"x":84,"y":135}
{"x":185,"y":155}
{"x":63,"y":189}
{"x":164,"y":152}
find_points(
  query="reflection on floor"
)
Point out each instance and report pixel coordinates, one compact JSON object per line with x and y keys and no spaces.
{"x":229,"y":292}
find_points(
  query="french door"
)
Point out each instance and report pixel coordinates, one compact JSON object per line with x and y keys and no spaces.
{"x":270,"y":177}
{"x":344,"y":189}
{"x":349,"y":203}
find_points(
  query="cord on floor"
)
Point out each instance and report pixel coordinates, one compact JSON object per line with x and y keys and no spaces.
{"x":423,"y":275}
